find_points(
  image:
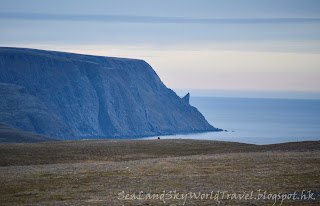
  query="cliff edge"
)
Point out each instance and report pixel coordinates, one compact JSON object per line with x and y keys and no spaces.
{"x":74,"y":96}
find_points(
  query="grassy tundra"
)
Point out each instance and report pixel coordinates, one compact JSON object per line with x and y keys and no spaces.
{"x":159,"y":172}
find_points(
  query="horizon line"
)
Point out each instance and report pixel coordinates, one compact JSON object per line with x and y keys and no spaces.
{"x":271,"y":94}
{"x":152,"y":19}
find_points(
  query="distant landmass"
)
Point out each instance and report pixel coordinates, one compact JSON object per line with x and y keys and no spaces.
{"x":75,"y":96}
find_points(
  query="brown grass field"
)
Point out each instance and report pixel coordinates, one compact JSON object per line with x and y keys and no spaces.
{"x":102,"y":172}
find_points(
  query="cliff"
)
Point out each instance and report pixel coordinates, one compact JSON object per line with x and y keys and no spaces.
{"x":73,"y":96}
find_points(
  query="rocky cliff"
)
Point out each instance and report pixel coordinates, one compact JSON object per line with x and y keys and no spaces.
{"x":72,"y":96}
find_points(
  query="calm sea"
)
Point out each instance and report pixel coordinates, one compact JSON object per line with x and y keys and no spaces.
{"x":258,"y":121}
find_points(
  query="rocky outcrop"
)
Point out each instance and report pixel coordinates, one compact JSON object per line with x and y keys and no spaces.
{"x":186,"y":98}
{"x":72,"y":96}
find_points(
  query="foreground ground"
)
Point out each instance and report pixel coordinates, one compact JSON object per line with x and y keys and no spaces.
{"x":103,"y":172}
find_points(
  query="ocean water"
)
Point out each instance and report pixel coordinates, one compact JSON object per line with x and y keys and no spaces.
{"x":258,"y":121}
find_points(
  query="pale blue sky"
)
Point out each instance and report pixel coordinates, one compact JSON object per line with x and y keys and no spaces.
{"x":226,"y":45}
{"x":170,"y":8}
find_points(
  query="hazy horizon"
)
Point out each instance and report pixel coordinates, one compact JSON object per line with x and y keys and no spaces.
{"x":212,"y":48}
{"x":247,"y":94}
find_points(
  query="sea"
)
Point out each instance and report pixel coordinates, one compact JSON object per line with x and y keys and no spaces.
{"x":257,"y":120}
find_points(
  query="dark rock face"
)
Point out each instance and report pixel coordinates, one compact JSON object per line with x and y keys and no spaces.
{"x":186,"y":98}
{"x":72,"y":96}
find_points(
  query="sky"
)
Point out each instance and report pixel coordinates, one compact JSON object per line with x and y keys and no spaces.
{"x":247,"y":48}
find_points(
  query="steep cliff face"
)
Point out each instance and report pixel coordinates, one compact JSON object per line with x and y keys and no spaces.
{"x":71,"y":96}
